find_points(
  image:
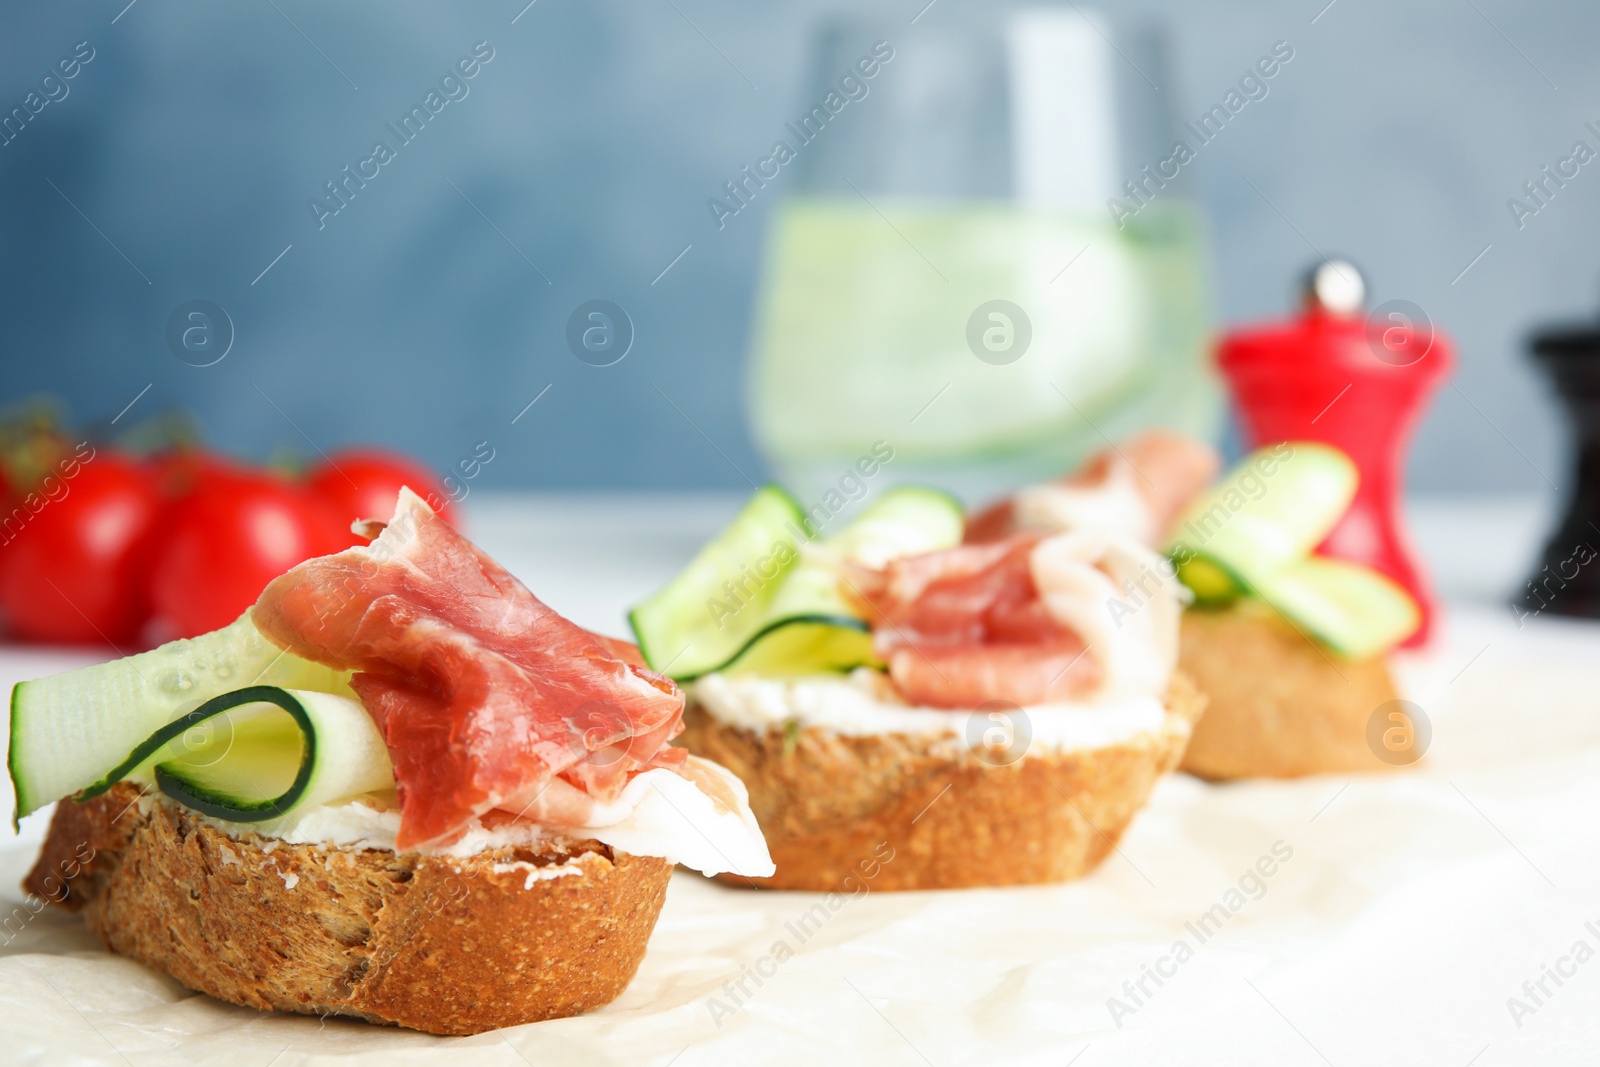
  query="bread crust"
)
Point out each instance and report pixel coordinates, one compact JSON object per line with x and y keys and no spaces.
{"x":445,"y":945}
{"x":1280,"y":706}
{"x":829,"y":803}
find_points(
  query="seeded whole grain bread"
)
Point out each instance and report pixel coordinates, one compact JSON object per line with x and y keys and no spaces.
{"x":833,"y":806}
{"x":449,"y":946}
{"x":1280,"y":706}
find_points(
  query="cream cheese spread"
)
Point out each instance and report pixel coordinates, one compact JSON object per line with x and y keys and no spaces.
{"x":864,"y":703}
{"x":659,"y":813}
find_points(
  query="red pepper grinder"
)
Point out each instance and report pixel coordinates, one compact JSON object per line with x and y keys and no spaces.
{"x":1355,"y":381}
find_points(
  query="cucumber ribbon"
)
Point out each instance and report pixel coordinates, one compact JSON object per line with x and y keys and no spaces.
{"x":1254,"y":535}
{"x":259,"y":765}
{"x":764,"y":597}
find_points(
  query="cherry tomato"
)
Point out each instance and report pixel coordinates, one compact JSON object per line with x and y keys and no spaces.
{"x":178,"y":471}
{"x":223,"y":542}
{"x":364,"y":483}
{"x":73,"y":553}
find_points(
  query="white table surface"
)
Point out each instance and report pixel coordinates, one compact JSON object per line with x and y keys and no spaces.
{"x":1414,"y":905}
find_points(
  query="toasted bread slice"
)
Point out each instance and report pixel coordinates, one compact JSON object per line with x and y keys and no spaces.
{"x":446,"y":945}
{"x":833,"y":807}
{"x":1280,"y":706}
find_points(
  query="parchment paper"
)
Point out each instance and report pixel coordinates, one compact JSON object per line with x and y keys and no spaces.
{"x":1410,"y":908}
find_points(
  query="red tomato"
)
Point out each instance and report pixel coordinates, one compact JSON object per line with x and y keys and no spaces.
{"x":224,"y":542}
{"x":363,"y":483}
{"x":73,"y":557}
{"x":179,"y":470}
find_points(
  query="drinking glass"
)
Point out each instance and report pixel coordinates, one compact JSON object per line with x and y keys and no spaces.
{"x":970,"y":264}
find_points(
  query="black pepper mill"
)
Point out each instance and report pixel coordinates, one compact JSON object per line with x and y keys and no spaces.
{"x":1568,"y":580}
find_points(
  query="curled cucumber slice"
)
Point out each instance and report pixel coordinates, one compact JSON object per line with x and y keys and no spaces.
{"x":1270,"y":510}
{"x":260,"y":753}
{"x":1211,"y":584}
{"x":69,"y":730}
{"x":720,"y":602}
{"x":1252,"y":535}
{"x":1354,"y":610}
{"x":764,"y":597}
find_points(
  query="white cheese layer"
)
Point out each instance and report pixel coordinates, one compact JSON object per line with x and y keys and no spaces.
{"x":864,"y":703}
{"x":660,"y":813}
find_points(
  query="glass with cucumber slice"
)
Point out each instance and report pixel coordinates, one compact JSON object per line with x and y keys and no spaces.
{"x":1253,"y":534}
{"x":763,"y":597}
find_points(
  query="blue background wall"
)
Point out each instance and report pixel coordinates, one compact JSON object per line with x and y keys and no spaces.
{"x":591,"y":141}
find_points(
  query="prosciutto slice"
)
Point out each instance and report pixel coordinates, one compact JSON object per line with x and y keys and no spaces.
{"x":1031,"y":619}
{"x":1136,"y":489}
{"x":965,"y":626}
{"x":486,"y":698}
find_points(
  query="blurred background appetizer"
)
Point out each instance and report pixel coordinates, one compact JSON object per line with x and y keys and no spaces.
{"x":1289,"y":646}
{"x":983,"y":714}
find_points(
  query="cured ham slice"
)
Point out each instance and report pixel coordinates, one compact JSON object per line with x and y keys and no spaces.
{"x":486,"y":698}
{"x":1122,"y":599}
{"x":1136,"y":489}
{"x":965,"y":626}
{"x":1031,"y":619}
